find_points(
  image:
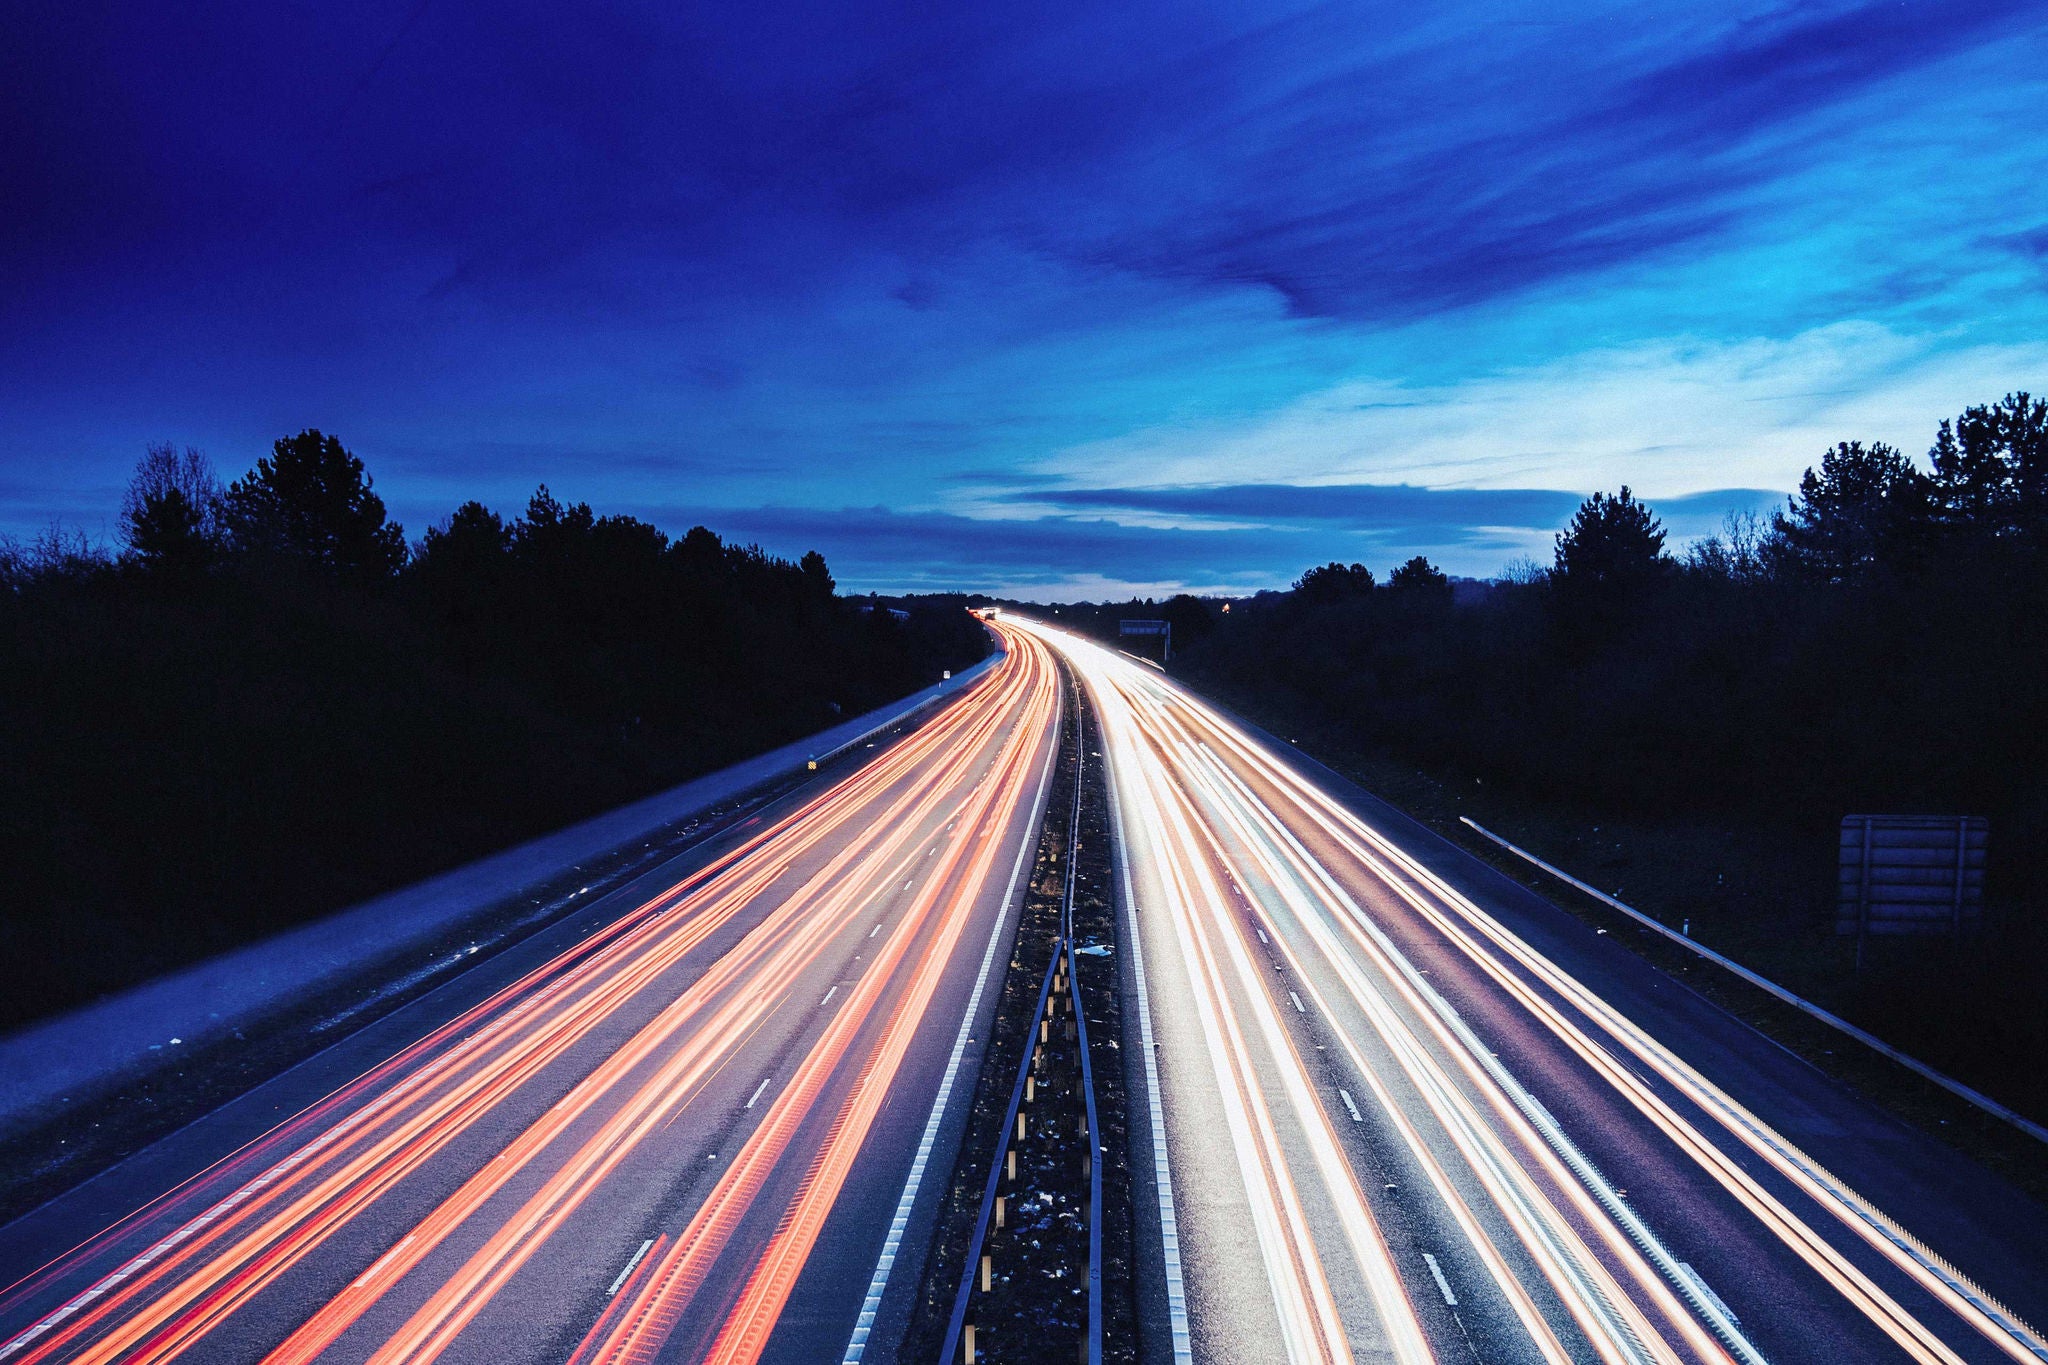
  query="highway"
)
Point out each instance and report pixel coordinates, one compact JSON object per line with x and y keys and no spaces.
{"x":1408,"y":1113}
{"x":693,"y":1123}
{"x":1392,"y":1107}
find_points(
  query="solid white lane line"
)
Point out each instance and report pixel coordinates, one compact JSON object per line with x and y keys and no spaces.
{"x":1144,"y":706}
{"x":1443,"y":1286}
{"x":1306,"y":1314}
{"x":757,"y":1091}
{"x":1162,"y":1172}
{"x":1614,"y":1315}
{"x":857,"y":1346}
{"x":1399,"y":968}
{"x":635,"y":1261}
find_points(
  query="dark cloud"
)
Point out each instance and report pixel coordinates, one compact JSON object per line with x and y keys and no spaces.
{"x":1359,"y":210}
{"x":1474,"y":532}
{"x":2033,"y":245}
{"x":1768,"y":70}
{"x":874,"y":546}
{"x":875,"y":244}
{"x":626,"y":157}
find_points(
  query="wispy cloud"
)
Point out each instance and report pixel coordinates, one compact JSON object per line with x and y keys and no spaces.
{"x":798,"y":252}
{"x":1669,"y":417}
{"x":1233,"y":540}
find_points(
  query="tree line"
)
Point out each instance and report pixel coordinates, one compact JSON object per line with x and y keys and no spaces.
{"x":1880,"y":644}
{"x":1877,"y":643}
{"x":266,"y":703}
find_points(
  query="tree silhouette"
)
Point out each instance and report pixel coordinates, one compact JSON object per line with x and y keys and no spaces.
{"x":474,"y":537}
{"x":1862,"y":509}
{"x":1420,"y":580}
{"x":1610,"y":543}
{"x":817,"y":579}
{"x":1991,"y":468}
{"x":1189,"y":618}
{"x":1748,"y":549}
{"x":169,"y":515}
{"x":1333,"y":582}
{"x":198,"y":758}
{"x":311,"y":503}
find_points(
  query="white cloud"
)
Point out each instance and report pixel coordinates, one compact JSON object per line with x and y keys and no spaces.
{"x":1668,"y":417}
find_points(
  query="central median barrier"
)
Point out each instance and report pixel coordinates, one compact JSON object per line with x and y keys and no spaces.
{"x":1032,"y":1256}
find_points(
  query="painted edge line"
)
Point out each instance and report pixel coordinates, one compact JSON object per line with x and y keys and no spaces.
{"x":871,"y":1305}
{"x":1169,"y":1229}
{"x":1834,"y":1021}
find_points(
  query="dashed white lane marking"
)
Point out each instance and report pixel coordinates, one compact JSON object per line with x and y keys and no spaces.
{"x":378,"y":1264}
{"x":857,"y":1346}
{"x":1351,"y":1105}
{"x":635,"y":1261}
{"x":828,"y":996}
{"x":757,"y":1091}
{"x":1443,"y":1285}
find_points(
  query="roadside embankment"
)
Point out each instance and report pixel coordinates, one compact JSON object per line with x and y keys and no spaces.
{"x":81,"y":1089}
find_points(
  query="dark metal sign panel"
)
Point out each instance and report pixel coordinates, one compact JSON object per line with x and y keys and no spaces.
{"x":1911,"y":874}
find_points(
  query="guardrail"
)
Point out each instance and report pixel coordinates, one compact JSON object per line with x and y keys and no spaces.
{"x":968,"y":679}
{"x":1833,"y":1021}
{"x":959,"y":1341}
{"x":1093,"y":1132}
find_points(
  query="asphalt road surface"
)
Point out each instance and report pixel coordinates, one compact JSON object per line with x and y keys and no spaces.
{"x":1390,"y":1106}
{"x":1410,"y":1112}
{"x":693,"y":1123}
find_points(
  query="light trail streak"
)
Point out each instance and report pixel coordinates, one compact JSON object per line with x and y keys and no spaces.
{"x":1254,"y":812}
{"x":845,"y":897}
{"x":1162,"y":1164}
{"x":885,"y":1264}
{"x":1216,"y":957}
{"x":941,"y":906}
{"x":1618,"y":1331}
{"x":1974,"y":1307}
{"x":236,"y":1229}
{"x":1140,"y":785}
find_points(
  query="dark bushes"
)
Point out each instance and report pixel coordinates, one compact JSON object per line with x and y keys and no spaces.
{"x":267,"y":708}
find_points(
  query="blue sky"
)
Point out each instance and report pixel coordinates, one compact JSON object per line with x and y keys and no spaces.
{"x":1059,"y":299}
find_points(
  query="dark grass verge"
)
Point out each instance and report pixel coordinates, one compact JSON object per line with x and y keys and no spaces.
{"x":45,"y":1158}
{"x":1760,"y":896}
{"x":1036,"y":1306}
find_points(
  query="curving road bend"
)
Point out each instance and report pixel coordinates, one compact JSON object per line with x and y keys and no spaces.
{"x":697,"y":1129}
{"x":1411,"y":1114}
